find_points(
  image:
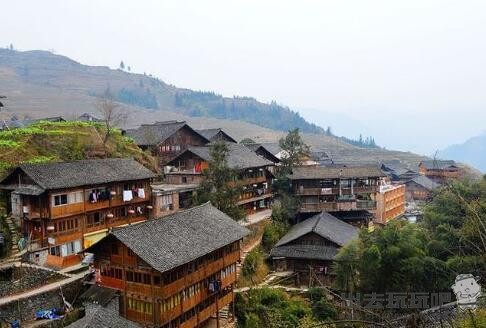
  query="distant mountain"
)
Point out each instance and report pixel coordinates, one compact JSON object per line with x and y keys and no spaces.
{"x":472,"y":152}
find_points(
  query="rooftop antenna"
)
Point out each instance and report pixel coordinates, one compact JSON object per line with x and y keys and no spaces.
{"x":2,"y":106}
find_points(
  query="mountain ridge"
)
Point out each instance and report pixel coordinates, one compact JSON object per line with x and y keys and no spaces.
{"x":472,"y":151}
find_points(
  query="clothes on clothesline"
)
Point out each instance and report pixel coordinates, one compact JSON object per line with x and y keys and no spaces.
{"x":141,"y":193}
{"x":127,"y":195}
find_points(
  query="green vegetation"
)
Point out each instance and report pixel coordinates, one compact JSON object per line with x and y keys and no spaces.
{"x":254,"y":269}
{"x":64,"y":141}
{"x":421,"y":257}
{"x":275,"y":308}
{"x":273,"y":231}
{"x":218,"y":185}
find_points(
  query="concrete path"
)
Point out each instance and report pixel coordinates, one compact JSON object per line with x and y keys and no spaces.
{"x":256,"y":217}
{"x":40,"y":290}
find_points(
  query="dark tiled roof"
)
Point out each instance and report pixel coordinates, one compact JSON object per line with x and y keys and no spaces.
{"x":86,"y":172}
{"x":438,"y":164}
{"x":272,"y":147}
{"x":312,"y":252}
{"x":210,"y":134}
{"x":425,"y":182}
{"x":258,"y":148}
{"x":98,"y":316}
{"x":353,"y":215}
{"x":180,"y":238}
{"x":239,"y":156}
{"x":153,"y":134}
{"x":313,"y":172}
{"x":326,"y":226}
{"x":98,"y":295}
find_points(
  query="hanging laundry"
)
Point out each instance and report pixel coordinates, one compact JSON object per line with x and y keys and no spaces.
{"x":127,"y":195}
{"x":141,"y":193}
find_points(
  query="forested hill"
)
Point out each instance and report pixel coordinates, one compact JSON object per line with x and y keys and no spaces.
{"x":42,"y":71}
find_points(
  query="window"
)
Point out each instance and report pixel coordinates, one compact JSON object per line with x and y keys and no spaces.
{"x":60,"y":199}
{"x":184,"y":179}
{"x":140,"y":306}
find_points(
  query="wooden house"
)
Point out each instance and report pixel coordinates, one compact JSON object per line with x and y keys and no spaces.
{"x":217,"y":134}
{"x":398,"y":172}
{"x":440,"y":170}
{"x":334,"y":189}
{"x":166,"y":139}
{"x":170,"y":198}
{"x":420,"y":188}
{"x":254,"y":174}
{"x":65,"y":207}
{"x":390,"y":202}
{"x":310,"y":246}
{"x":175,"y":272}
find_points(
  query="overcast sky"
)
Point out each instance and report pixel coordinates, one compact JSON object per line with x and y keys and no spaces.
{"x":412,"y":73}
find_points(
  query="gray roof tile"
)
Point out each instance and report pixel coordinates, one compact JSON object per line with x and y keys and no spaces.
{"x":180,"y":238}
{"x":86,"y":172}
{"x":326,"y":226}
{"x":153,"y":134}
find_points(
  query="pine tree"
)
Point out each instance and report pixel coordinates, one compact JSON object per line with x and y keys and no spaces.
{"x":122,"y":65}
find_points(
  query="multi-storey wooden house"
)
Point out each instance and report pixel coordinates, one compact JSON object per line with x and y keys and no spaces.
{"x":333,"y":189}
{"x":216,"y":134}
{"x":254,"y":175}
{"x":419,"y":189}
{"x":310,"y":246}
{"x":65,"y":207}
{"x":390,"y":202}
{"x":440,"y":170}
{"x":174,"y":272}
{"x":166,"y":139}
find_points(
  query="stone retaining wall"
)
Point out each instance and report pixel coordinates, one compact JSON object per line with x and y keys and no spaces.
{"x":24,"y":309}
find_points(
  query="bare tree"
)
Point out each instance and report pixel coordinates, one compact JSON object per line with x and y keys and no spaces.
{"x":112,"y":115}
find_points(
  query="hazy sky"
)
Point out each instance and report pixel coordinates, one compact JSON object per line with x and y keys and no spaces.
{"x":412,"y":73}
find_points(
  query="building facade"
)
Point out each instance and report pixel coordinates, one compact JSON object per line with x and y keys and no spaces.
{"x":334,"y":189}
{"x":390,"y":203}
{"x":254,"y":174}
{"x":175,"y":272}
{"x":439,"y":171}
{"x":310,"y":246}
{"x":166,"y":139}
{"x":63,"y":208}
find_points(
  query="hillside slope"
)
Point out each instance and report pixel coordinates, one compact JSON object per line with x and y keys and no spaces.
{"x":472,"y":152}
{"x":53,"y":71}
{"x":40,"y":84}
{"x":64,"y":141}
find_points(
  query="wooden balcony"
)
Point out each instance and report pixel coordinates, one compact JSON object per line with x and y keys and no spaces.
{"x":138,"y":288}
{"x":198,"y":275}
{"x":67,"y":210}
{"x":318,"y":207}
{"x":335,"y":191}
{"x":140,"y":317}
{"x":365,"y":205}
{"x":60,"y":262}
{"x":250,"y":181}
{"x":111,"y":282}
{"x":255,"y":199}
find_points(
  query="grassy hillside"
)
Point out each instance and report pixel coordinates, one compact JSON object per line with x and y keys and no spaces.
{"x":64,"y":141}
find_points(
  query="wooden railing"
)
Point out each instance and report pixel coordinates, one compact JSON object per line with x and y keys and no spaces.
{"x":335,"y":190}
{"x":318,"y":207}
{"x":65,"y":210}
{"x":249,"y":181}
{"x":365,"y":204}
{"x":60,"y":262}
{"x":198,"y":275}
